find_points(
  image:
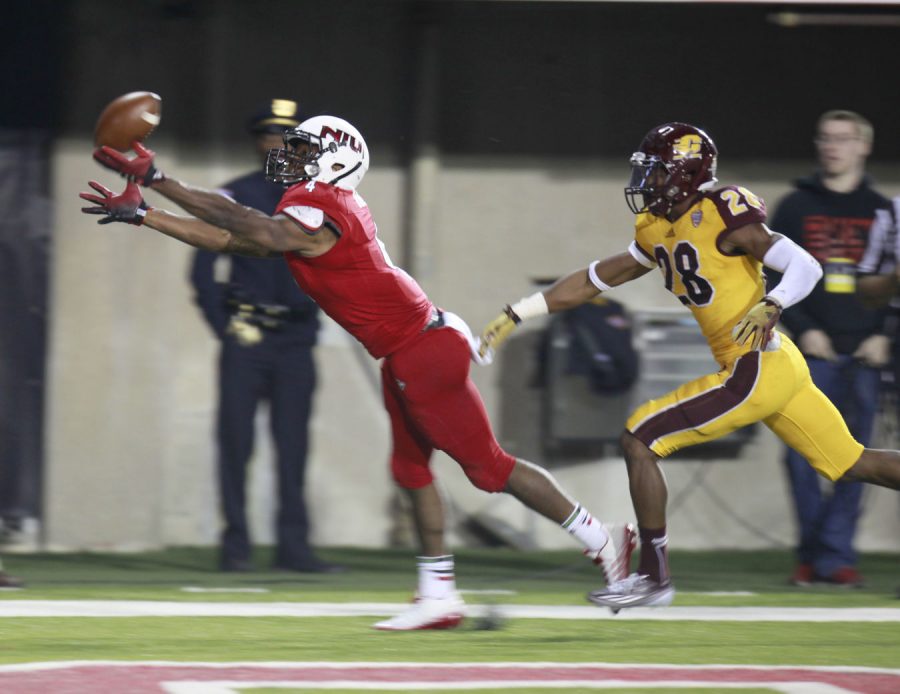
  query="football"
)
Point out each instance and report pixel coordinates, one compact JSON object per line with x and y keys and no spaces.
{"x":130,"y":117}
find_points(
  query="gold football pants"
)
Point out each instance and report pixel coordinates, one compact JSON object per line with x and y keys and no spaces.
{"x":770,"y":387}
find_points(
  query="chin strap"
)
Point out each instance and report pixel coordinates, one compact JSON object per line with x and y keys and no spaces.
{"x":344,"y":174}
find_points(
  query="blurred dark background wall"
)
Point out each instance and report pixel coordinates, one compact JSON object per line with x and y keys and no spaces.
{"x":541,"y":78}
{"x":30,"y":52}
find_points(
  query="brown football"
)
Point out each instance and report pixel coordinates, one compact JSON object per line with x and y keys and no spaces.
{"x":130,"y":117}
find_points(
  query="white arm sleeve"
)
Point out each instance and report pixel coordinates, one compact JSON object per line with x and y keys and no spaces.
{"x":800,"y":272}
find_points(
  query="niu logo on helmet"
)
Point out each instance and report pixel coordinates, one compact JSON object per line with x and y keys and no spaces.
{"x":343,"y":139}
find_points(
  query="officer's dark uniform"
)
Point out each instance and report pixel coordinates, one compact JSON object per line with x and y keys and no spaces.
{"x":279,"y":368}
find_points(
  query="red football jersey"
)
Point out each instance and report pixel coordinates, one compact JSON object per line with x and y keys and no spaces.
{"x":355,"y":282}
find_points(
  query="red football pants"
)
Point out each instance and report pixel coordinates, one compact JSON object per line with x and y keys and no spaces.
{"x":433,"y":404}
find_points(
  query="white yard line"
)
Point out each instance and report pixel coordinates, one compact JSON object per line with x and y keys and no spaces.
{"x":149,"y":608}
{"x":202,"y":589}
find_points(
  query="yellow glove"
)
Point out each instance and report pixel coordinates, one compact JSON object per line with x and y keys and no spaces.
{"x":758,"y":325}
{"x":497,"y":331}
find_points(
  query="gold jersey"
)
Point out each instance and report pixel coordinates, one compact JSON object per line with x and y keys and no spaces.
{"x":719,"y":288}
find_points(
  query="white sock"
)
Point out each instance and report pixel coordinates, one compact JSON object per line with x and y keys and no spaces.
{"x":436,"y":576}
{"x":587,"y":529}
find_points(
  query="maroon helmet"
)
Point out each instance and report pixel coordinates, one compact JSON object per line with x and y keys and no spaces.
{"x":675,"y":161}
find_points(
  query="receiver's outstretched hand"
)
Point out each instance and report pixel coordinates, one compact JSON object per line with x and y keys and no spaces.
{"x":140,"y":168}
{"x":128,"y":206}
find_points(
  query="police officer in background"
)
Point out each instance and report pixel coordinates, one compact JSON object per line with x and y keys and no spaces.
{"x":268,"y":329}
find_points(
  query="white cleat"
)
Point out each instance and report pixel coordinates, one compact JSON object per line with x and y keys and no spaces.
{"x":427,"y":613}
{"x":615,"y":557}
{"x":635,"y":590}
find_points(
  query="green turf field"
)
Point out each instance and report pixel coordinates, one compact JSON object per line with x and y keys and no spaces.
{"x":552,"y":578}
{"x":545,"y":578}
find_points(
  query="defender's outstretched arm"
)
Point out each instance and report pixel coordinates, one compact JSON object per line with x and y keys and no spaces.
{"x":572,"y":290}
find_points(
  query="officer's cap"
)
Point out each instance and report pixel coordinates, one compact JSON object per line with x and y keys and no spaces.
{"x":274,"y":116}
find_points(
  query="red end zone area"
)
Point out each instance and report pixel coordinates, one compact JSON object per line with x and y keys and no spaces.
{"x":225,"y":678}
